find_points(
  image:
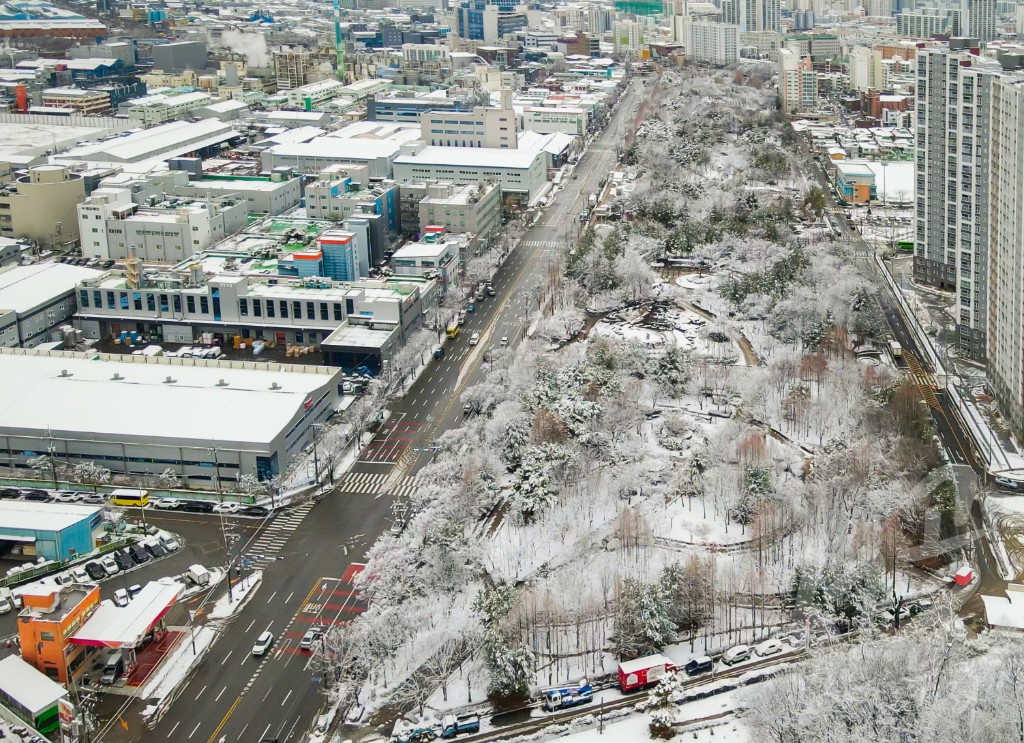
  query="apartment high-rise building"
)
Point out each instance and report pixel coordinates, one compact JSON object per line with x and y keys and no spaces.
{"x":928,"y":22}
{"x":709,"y":43}
{"x":951,"y":244}
{"x":798,"y":82}
{"x":979,"y":19}
{"x":760,"y":15}
{"x":1006,"y":249}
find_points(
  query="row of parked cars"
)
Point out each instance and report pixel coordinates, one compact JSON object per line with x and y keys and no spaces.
{"x":55,"y":496}
{"x":120,"y":561}
{"x":201,"y":506}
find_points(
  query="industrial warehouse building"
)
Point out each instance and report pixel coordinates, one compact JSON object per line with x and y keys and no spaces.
{"x":55,"y":531}
{"x":143,"y":415}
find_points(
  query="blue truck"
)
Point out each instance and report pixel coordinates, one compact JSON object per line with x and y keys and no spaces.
{"x":450,"y":727}
{"x":567,"y":695}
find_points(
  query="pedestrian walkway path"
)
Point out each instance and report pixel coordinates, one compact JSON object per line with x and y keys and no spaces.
{"x":548,"y":244}
{"x":266,"y":547}
{"x":375,"y":482}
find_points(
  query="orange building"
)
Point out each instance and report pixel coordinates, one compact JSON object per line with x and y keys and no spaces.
{"x":48,"y":619}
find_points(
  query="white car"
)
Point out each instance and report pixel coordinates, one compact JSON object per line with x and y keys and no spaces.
{"x":736,"y":655}
{"x":226,"y":507}
{"x":66,"y":496}
{"x":474,"y":339}
{"x":769,"y":647}
{"x":504,"y":341}
{"x":110,"y":565}
{"x":167,"y":503}
{"x":1006,"y":482}
{"x":80,"y":576}
{"x":121,"y":597}
{"x":170,"y":543}
{"x":263,"y":643}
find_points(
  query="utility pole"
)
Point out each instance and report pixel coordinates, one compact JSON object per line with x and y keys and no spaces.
{"x":51,"y":449}
{"x":214,"y":450}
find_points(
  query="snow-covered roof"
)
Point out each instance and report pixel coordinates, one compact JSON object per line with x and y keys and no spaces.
{"x":27,"y":686}
{"x":1005,"y":612}
{"x":116,"y":626}
{"x":477,"y":157}
{"x":28,"y":515}
{"x":650,"y":661}
{"x":23,"y":288}
{"x":75,"y":392}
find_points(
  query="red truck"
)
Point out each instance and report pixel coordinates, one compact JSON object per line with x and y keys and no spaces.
{"x":644,"y":672}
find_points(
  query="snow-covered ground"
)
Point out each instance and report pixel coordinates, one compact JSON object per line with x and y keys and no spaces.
{"x":232,"y":602}
{"x":176,"y":666}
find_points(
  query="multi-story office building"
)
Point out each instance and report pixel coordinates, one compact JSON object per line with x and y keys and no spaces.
{"x":865,"y":66}
{"x":162,"y":107}
{"x":551,"y":120}
{"x":481,"y":127}
{"x":41,"y":206}
{"x":312,"y":96}
{"x":169,"y":231}
{"x":798,"y":83}
{"x":479,"y":20}
{"x":475,"y":209}
{"x":335,"y":197}
{"x":82,"y":100}
{"x":952,"y":210}
{"x":37,"y":300}
{"x":1005,"y":328}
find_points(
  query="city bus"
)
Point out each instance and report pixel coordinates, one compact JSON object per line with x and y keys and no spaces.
{"x":453,"y":328}
{"x":129,"y":497}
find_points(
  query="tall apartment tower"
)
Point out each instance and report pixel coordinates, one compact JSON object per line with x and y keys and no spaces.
{"x":979,"y":17}
{"x":951,"y":213}
{"x":1006,"y":250}
{"x":760,"y":15}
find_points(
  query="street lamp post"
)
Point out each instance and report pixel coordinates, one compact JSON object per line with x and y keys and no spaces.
{"x":214,"y":450}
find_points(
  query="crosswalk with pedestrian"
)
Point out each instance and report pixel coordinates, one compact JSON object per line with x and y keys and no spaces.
{"x":270,"y":542}
{"x":376,"y":482}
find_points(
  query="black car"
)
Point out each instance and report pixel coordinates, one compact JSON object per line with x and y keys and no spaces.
{"x":124,"y":560}
{"x":10,"y":493}
{"x":95,"y":570}
{"x":196,"y":506}
{"x":255,"y":511}
{"x":37,"y":495}
{"x":698,"y":666}
{"x":138,"y":554}
{"x":155,"y":549}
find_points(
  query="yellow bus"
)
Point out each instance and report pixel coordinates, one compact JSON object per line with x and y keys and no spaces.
{"x":129,"y":497}
{"x":453,"y":328}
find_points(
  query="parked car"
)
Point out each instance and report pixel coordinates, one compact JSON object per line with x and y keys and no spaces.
{"x":773,"y":646}
{"x":154,"y":548}
{"x":736,"y":655}
{"x":1006,"y":482}
{"x":139,"y":553}
{"x":93,"y":499}
{"x":169,"y":543}
{"x":263,"y":643}
{"x":10,"y":493}
{"x":196,"y":506}
{"x":79,"y":575}
{"x":121,"y":597}
{"x":313,"y":634}
{"x":124,"y":560}
{"x":109,"y":564}
{"x":255,"y":511}
{"x":167,"y":504}
{"x":698,"y":666}
{"x":95,"y":571}
{"x":37,"y":495}
{"x":134,"y":590}
{"x":67,"y":496}
{"x":226,"y":507}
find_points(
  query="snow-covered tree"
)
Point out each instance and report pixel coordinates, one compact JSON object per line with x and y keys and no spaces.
{"x":642,"y":622}
{"x":169,"y":479}
{"x":661,"y":704}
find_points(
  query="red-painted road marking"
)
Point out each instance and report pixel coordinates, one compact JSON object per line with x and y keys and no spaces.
{"x":352,"y":571}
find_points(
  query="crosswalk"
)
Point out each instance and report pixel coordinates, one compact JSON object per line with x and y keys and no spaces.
{"x":266,"y":547}
{"x":375,"y":482}
{"x":547,"y":244}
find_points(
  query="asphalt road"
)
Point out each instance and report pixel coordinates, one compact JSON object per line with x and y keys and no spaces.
{"x":236,"y":697}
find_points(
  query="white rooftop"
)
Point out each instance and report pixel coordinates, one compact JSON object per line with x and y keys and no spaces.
{"x":476,"y":157}
{"x":1005,"y":612}
{"x":29,"y":687}
{"x":124,"y":626}
{"x":72,"y":392}
{"x":24,"y":288}
{"x":28,"y":515}
{"x":163,"y":142}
